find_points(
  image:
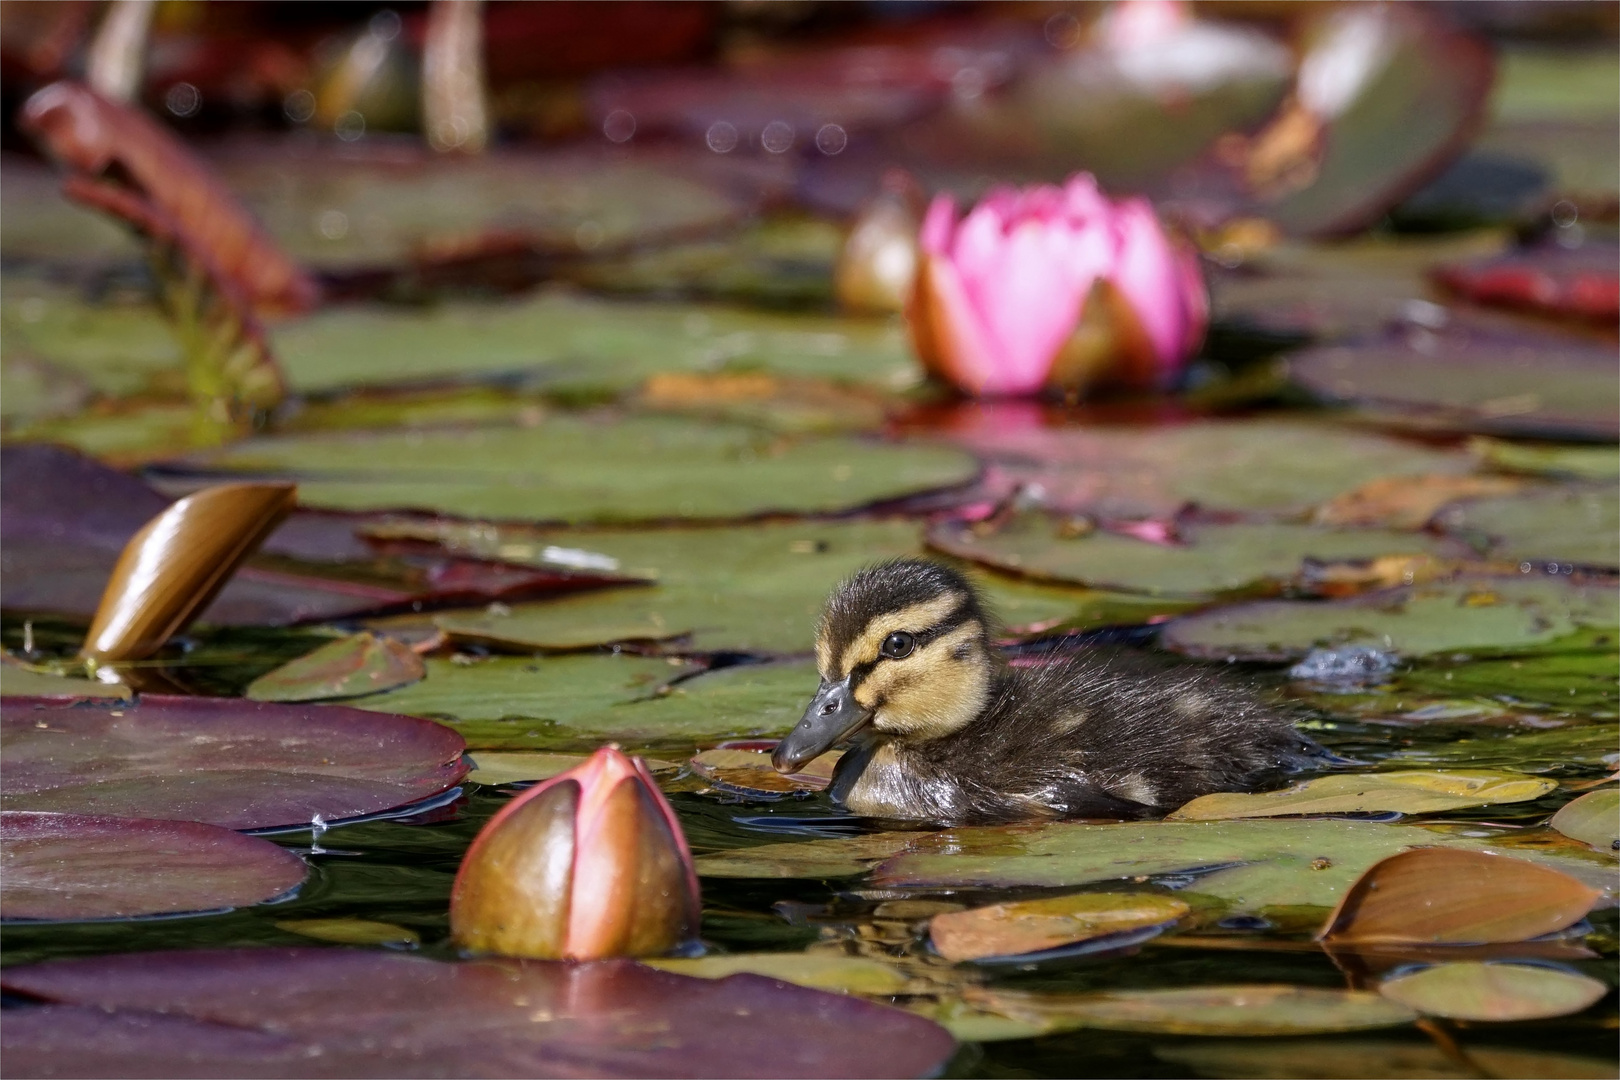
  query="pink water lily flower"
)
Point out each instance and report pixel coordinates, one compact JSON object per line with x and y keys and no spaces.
{"x":1054,"y":288}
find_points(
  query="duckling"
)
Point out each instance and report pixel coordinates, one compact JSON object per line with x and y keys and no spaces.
{"x":946,"y":731}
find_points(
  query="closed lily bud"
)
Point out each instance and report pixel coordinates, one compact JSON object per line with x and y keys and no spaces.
{"x":878,"y":264}
{"x":1054,"y":289}
{"x":589,"y":864}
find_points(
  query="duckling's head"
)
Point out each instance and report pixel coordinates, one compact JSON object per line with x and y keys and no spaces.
{"x":903,"y":646}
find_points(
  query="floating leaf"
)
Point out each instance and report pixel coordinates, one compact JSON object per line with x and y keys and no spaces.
{"x":819,"y":971}
{"x":351,"y":932}
{"x":348,"y":667}
{"x":178,"y":562}
{"x":1374,"y":793}
{"x":749,"y":771}
{"x":1498,"y":614}
{"x":1549,"y":279}
{"x":1435,"y":896}
{"x":1256,"y":1010}
{"x":17,"y":680}
{"x":573,"y":468}
{"x":1494,"y":992}
{"x":1407,"y":502}
{"x":1391,"y":1060}
{"x":1593,"y":819}
{"x":528,"y":628}
{"x":264,"y":1010}
{"x":1464,"y":379}
{"x":1262,"y":465}
{"x":1548,"y":459}
{"x":68,"y":867}
{"x":1032,"y":926}
{"x":1575,"y":525}
{"x":764,"y":596}
{"x":244,"y":765}
{"x":1578,"y":681}
{"x":490,"y":767}
{"x":1574,"y":751}
{"x":1211,"y":559}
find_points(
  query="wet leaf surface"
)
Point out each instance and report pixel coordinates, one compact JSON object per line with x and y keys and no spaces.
{"x":233,"y":763}
{"x":1494,"y":992}
{"x":1375,"y":1060}
{"x":259,"y":1011}
{"x":819,"y":971}
{"x":352,"y":932}
{"x":69,"y":867}
{"x":1208,"y":1010}
{"x":1506,"y":614}
{"x":515,"y":767}
{"x":578,"y":469}
{"x":1578,"y":682}
{"x":1400,"y":792}
{"x":1577,"y":525}
{"x":19,"y":681}
{"x":1437,"y":896}
{"x":1549,"y":459}
{"x":1210,"y":559}
{"x":348,"y":667}
{"x":749,"y":772}
{"x":1593,"y":819}
{"x":1032,"y":926}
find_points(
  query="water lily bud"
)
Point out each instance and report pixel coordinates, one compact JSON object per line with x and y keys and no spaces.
{"x":878,"y":264}
{"x":1054,"y":289}
{"x":589,"y":864}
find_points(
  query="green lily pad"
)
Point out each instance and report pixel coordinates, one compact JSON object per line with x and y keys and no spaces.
{"x":1593,"y":819}
{"x":572,"y":345}
{"x":1576,"y":750}
{"x":348,"y":667}
{"x":19,"y":681}
{"x":819,"y":971}
{"x":362,"y":932}
{"x":1497,"y":614}
{"x":1401,"y":792}
{"x":116,"y":348}
{"x":1214,"y":559}
{"x":1268,"y":465}
{"x":1254,"y":1010}
{"x":1549,"y":459}
{"x":1582,"y":683}
{"x":1474,"y":991}
{"x":518,"y":766}
{"x":763,"y":596}
{"x":580,"y":469}
{"x":1571,"y":525}
{"x":576,"y":703}
{"x":32,"y":389}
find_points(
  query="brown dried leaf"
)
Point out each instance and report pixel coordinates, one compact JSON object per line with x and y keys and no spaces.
{"x":178,"y":562}
{"x":1038,"y":925}
{"x":1408,"y":502}
{"x":1441,"y":896}
{"x":95,"y":137}
{"x":739,"y":768}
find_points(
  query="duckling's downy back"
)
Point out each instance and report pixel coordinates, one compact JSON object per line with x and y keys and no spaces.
{"x":945,"y":730}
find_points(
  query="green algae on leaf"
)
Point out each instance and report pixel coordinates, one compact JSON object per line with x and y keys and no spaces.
{"x":351,"y":666}
{"x":1560,"y":525}
{"x":1209,"y":559}
{"x":593,"y":469}
{"x":1471,"y":613}
{"x":1494,"y":992}
{"x":1593,"y":819}
{"x":1401,"y":792}
{"x":1253,"y":1010}
{"x":69,"y":867}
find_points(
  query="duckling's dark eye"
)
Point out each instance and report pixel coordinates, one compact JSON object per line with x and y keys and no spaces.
{"x":898,"y":644}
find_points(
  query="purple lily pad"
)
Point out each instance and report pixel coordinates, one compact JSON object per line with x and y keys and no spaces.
{"x":240,"y":764}
{"x":1472,"y":378}
{"x":340,"y":1012}
{"x":70,"y":867}
{"x":64,"y":518}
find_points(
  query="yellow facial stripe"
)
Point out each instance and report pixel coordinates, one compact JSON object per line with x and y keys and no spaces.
{"x":930,"y":693}
{"x":916,"y":618}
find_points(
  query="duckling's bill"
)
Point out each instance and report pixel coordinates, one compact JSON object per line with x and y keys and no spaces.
{"x":832,"y":716}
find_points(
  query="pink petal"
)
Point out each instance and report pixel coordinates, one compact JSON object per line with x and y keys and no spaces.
{"x":939,"y":225}
{"x":964,"y":356}
{"x":1155,"y":283}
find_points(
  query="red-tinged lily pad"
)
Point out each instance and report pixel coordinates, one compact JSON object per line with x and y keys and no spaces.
{"x":1033,"y":926}
{"x":68,"y":867}
{"x":1441,"y":896}
{"x":348,"y":667}
{"x":1495,"y":992}
{"x":1473,"y":380}
{"x":243,"y":765}
{"x":1508,"y":614}
{"x":340,"y":1012}
{"x":1578,"y":283}
{"x":64,"y":519}
{"x":1593,"y":819}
